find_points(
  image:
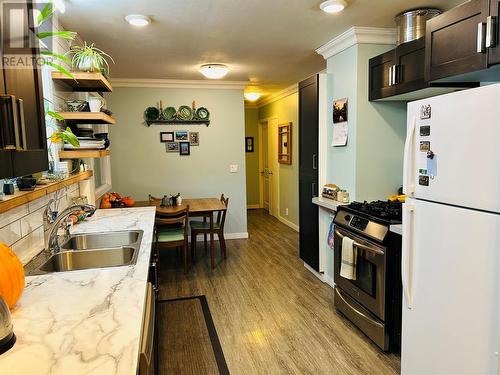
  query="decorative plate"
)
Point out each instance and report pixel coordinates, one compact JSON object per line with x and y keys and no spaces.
{"x":152,"y":113}
{"x":185,"y":113}
{"x":169,"y":113}
{"x":202,"y":113}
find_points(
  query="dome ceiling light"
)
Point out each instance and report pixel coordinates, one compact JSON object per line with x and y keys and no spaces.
{"x":333,"y":6}
{"x":214,"y":71}
{"x":138,"y":20}
{"x":252,"y":96}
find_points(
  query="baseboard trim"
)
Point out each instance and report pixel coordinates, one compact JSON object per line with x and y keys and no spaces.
{"x":253,"y":206}
{"x":227,"y":236}
{"x":295,"y":227}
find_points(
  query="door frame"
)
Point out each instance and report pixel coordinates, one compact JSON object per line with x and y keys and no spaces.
{"x":274,"y":204}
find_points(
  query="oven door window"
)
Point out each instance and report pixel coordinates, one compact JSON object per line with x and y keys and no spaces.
{"x":366,"y":275}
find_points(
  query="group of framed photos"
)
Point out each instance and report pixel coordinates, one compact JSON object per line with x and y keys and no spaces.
{"x":180,"y":141}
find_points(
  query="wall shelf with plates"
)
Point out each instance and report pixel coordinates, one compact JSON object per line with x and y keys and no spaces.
{"x":178,"y":122}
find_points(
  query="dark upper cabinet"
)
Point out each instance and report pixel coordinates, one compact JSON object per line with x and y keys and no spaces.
{"x":22,"y":117}
{"x":398,"y":71}
{"x":463,"y":42}
{"x":308,"y":171}
{"x":381,"y":75}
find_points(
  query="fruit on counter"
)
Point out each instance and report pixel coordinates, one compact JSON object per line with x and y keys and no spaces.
{"x":11,"y":276}
{"x":115,"y":200}
{"x":129,"y":202}
{"x":73,"y":219}
{"x":400,"y":198}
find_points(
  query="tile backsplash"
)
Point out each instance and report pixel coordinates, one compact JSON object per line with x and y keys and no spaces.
{"x":22,"y":227}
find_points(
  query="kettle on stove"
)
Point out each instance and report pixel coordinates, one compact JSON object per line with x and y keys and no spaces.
{"x":7,"y":337}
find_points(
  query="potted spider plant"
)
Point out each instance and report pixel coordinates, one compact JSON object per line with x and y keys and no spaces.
{"x":89,"y":58}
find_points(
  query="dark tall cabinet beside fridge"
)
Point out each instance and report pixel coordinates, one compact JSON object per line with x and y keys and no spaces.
{"x":308,"y":171}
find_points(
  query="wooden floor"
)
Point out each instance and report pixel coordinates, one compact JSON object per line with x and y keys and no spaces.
{"x":271,"y":314}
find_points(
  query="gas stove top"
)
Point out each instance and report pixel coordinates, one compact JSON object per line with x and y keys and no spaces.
{"x":386,"y":212}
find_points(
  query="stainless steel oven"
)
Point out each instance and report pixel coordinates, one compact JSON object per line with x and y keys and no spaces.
{"x":369,"y":286}
{"x":372,"y":301}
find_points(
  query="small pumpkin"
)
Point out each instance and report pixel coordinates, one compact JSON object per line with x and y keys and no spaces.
{"x":129,"y":202}
{"x":11,"y":276}
{"x":105,"y":203}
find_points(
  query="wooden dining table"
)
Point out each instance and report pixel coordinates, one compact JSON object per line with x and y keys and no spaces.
{"x":198,"y":207}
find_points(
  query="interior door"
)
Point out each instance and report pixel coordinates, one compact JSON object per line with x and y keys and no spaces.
{"x":266,"y":177}
{"x":451,"y":268}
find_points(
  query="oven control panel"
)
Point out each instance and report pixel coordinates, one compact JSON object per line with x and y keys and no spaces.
{"x":362,"y":225}
{"x":359,"y":223}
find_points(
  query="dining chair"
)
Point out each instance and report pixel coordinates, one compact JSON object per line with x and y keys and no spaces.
{"x":172,"y":232}
{"x":203,"y":227}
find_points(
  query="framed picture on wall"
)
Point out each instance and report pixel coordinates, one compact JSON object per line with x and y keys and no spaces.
{"x":249,"y":144}
{"x":181,"y":136}
{"x":184,"y":148}
{"x":285,"y":143}
{"x":166,"y":137}
{"x":194,"y":138}
{"x":172,"y":147}
{"x":340,"y":111}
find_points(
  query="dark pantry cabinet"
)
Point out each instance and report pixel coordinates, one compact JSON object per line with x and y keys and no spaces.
{"x":23,"y":143}
{"x":308,"y":171}
{"x":463,"y":42}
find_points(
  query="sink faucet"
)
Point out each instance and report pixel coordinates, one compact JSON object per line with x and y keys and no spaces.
{"x":52,"y":238}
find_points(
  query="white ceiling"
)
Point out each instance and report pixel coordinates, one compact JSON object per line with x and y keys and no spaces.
{"x":268,"y":42}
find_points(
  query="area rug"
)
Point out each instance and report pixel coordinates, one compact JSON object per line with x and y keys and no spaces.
{"x":187,"y":340}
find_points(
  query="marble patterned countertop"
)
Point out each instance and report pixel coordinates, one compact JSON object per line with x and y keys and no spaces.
{"x":84,"y":322}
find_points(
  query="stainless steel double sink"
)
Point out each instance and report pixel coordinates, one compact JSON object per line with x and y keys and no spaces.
{"x":90,"y":251}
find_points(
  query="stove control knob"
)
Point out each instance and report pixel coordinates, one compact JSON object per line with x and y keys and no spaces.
{"x":347,"y":218}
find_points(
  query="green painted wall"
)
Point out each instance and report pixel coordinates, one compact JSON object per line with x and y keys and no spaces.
{"x":141,"y":165}
{"x":252,"y":158}
{"x":286,"y":110}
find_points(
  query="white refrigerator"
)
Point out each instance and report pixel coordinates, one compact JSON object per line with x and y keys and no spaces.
{"x":451,"y":235}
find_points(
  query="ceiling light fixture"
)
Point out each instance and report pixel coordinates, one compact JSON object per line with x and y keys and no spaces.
{"x":138,"y":20}
{"x":333,"y":6}
{"x":252,"y":96}
{"x":214,"y":71}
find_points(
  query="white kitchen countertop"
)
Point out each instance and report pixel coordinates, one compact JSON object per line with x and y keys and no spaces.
{"x":397,"y":229}
{"x":89,"y":321}
{"x":329,"y":204}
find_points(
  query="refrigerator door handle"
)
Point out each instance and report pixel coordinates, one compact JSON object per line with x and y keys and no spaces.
{"x":407,"y":254}
{"x":409,"y":176}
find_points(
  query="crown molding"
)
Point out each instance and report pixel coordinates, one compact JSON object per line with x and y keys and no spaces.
{"x":279,"y":95}
{"x":251,"y":105}
{"x":179,"y":84}
{"x":358,"y":35}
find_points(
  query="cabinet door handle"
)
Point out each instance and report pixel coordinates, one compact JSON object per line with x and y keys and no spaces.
{"x":390,"y":75}
{"x":315,"y":161}
{"x":481,"y":37}
{"x":491,"y":32}
{"x":20,"y":108}
{"x":313,"y":188}
{"x":15,"y":123}
{"x":395,"y":75}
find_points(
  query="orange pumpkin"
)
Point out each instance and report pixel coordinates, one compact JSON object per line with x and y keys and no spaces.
{"x":129,"y":202}
{"x":11,"y":276}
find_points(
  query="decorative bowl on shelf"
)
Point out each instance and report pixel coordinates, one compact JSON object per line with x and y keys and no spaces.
{"x":185,"y":113}
{"x":152,"y":113}
{"x":169,"y":113}
{"x":202,"y":113}
{"x":75,"y":105}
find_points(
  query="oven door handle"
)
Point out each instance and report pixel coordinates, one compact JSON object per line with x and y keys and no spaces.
{"x":360,"y":246}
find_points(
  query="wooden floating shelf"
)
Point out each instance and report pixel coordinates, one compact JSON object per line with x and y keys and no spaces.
{"x":22,"y":197}
{"x":84,"y":81}
{"x":88,"y":117}
{"x":178,"y":122}
{"x":82,"y":154}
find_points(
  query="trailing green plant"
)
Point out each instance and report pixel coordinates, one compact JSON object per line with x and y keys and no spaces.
{"x":44,"y":15}
{"x":90,"y":58}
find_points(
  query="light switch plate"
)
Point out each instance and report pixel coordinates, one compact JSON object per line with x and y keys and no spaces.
{"x":233,"y":168}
